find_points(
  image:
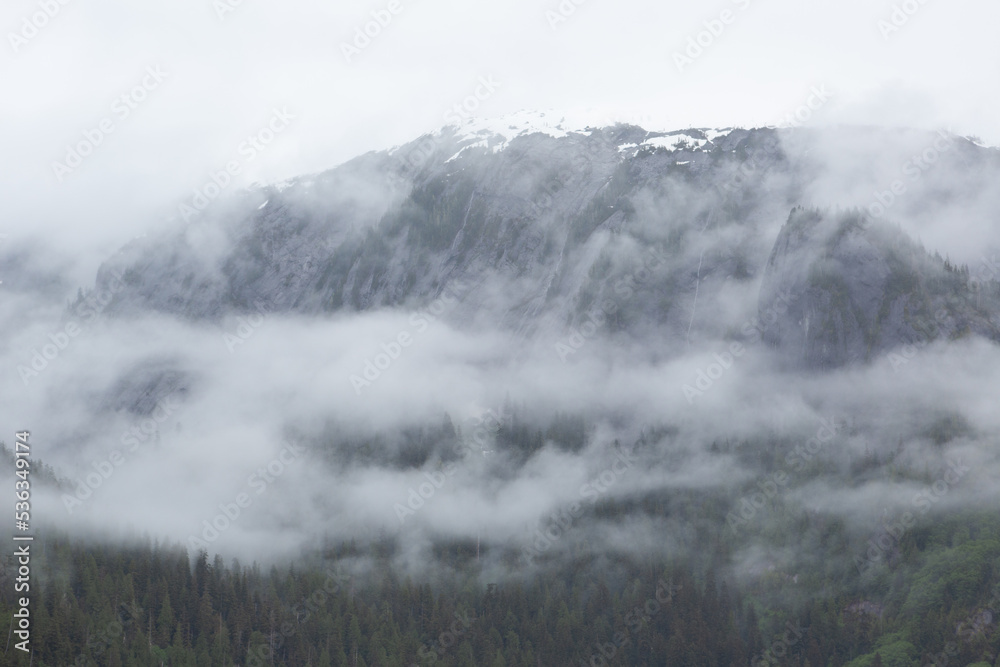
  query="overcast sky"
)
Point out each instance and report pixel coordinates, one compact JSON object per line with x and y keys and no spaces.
{"x":225,"y":69}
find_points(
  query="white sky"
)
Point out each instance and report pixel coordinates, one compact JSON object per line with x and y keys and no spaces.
{"x":613,"y":59}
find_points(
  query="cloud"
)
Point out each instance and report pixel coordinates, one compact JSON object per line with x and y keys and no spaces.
{"x":367,"y":445}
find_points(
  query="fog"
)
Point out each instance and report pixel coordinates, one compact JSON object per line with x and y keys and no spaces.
{"x":227,"y":69}
{"x":226,"y":410}
{"x":297,"y":425}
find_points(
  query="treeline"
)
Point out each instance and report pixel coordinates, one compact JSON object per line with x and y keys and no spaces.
{"x":154,"y":605}
{"x":150,"y":605}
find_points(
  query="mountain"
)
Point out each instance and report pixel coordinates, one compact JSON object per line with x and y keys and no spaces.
{"x":857,"y":289}
{"x":584,"y":413}
{"x":537,"y":225}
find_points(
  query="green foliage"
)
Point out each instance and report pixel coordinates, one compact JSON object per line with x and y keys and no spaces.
{"x":897,"y":652}
{"x":112,"y":596}
{"x":952,"y":576}
{"x":308,"y":616}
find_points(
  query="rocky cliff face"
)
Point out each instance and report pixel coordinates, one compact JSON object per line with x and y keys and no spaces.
{"x":855,"y":289}
{"x":544,"y":229}
{"x":540,"y":228}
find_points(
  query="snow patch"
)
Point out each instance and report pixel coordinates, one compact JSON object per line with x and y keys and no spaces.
{"x":702,"y":140}
{"x":494,"y":135}
{"x":497,"y":133}
{"x":976,"y":141}
{"x":676,"y":142}
{"x":716,"y":134}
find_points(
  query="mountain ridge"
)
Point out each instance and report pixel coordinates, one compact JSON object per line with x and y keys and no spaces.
{"x":550,"y":220}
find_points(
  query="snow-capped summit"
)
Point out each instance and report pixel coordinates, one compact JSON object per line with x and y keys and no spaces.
{"x":495,"y":134}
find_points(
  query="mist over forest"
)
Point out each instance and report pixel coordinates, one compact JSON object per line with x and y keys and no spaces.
{"x":685,"y":374}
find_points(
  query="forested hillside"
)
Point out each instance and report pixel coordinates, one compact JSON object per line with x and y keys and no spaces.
{"x":150,"y":604}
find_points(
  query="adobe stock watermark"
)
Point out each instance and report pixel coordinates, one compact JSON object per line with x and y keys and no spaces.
{"x":634,"y":620}
{"x":424,"y":492}
{"x":264,"y":654}
{"x":819,"y":96}
{"x":544,"y":200}
{"x":914,"y":169}
{"x":434,"y":651}
{"x":224,"y":7}
{"x":975,"y":625}
{"x":121,"y":109}
{"x":756,"y":158}
{"x":778,"y":649}
{"x":485,"y":427}
{"x":776,"y":483}
{"x":363,"y":35}
{"x":562,"y":13}
{"x":900,"y":16}
{"x":140,"y":433}
{"x":892,"y":533}
{"x":559,"y":523}
{"x":912,"y":347}
{"x":230,"y":512}
{"x":247,"y":326}
{"x":247,"y":151}
{"x":420,"y":321}
{"x":988,"y":270}
{"x":32,"y":25}
{"x":700,"y":42}
{"x":598,"y":315}
{"x":753,"y":329}
{"x":312,"y":603}
{"x":465,"y":109}
{"x":461,"y":111}
{"x":87,"y":310}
